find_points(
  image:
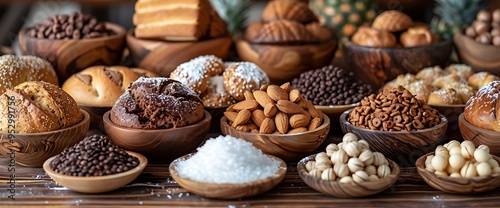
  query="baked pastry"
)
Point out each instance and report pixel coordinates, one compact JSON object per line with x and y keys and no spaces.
{"x":392,"y":21}
{"x":440,"y":82}
{"x":157,"y":103}
{"x":279,"y":32}
{"x":15,"y":70}
{"x":462,"y":70}
{"x":429,"y":74}
{"x":193,"y":75}
{"x":481,"y":79}
{"x":213,"y":64}
{"x":446,"y":96}
{"x":40,"y":107}
{"x":370,"y":37}
{"x":216,"y":95}
{"x":464,"y":91}
{"x":242,"y":76}
{"x":418,"y":36}
{"x":482,"y":109}
{"x":421,"y":89}
{"x":320,"y":32}
{"x":293,"y":10}
{"x":99,"y":86}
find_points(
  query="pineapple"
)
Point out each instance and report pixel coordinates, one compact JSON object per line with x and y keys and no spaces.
{"x":454,"y":15}
{"x":234,"y":12}
{"x":344,"y":15}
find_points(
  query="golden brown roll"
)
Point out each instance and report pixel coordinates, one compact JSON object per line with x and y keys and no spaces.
{"x":371,"y":37}
{"x":421,"y":89}
{"x":429,"y":74}
{"x":279,"y":32}
{"x":392,"y":21}
{"x":418,"y":36}
{"x":446,"y":96}
{"x":483,"y":109}
{"x":464,"y":91}
{"x":462,"y":70}
{"x":294,"y":10}
{"x":481,"y":79}
{"x":440,"y":82}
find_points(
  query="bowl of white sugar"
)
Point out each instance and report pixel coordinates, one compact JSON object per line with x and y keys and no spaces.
{"x":227,"y":167}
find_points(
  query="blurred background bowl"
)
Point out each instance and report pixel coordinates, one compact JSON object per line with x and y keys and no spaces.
{"x":32,"y":149}
{"x":376,"y":66}
{"x":480,"y":57}
{"x":479,"y":135}
{"x":70,"y":56}
{"x":333,"y":112}
{"x":159,"y":145}
{"x":289,"y":147}
{"x":403,"y":147}
{"x":451,"y":112}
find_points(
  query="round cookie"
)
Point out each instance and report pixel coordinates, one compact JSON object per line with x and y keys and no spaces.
{"x":216,"y":95}
{"x":213,"y":64}
{"x":193,"y":75}
{"x":242,"y":76}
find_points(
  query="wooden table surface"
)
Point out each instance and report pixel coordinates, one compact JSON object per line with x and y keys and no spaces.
{"x":155,"y":187}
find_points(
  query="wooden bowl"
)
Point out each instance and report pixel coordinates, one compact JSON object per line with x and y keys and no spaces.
{"x":32,"y":149}
{"x":228,"y":190}
{"x":97,"y":184}
{"x":289,"y":147}
{"x":71,"y":56}
{"x":333,"y":112}
{"x":282,"y":63}
{"x":451,"y":112}
{"x":160,"y":145}
{"x":347,"y":190}
{"x":96,"y":114}
{"x":403,"y":147}
{"x":457,"y":185}
{"x":163,"y":57}
{"x":376,"y":66}
{"x":479,"y":135}
{"x":480,"y":57}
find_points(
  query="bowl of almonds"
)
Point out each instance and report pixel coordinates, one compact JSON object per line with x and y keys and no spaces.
{"x":277,"y":120}
{"x":348,"y":169}
{"x":460,"y":168}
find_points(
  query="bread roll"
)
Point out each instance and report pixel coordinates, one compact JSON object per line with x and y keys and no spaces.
{"x":279,"y":32}
{"x":462,"y":70}
{"x":483,"y":109}
{"x":446,"y":96}
{"x":481,"y":79}
{"x":418,"y":36}
{"x":392,"y":21}
{"x":429,"y":74}
{"x":371,"y":37}
{"x":16,"y":70}
{"x":293,"y":10}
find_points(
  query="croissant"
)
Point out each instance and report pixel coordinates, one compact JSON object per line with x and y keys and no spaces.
{"x":293,"y":10}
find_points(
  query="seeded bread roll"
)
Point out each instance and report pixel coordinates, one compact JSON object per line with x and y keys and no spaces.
{"x":40,"y":107}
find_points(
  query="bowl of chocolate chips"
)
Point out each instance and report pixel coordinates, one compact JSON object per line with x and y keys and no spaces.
{"x":95,"y":165}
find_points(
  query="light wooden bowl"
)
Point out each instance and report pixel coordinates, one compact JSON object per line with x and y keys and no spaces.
{"x":97,"y":184}
{"x":160,"y":145}
{"x":457,"y":185}
{"x":347,"y":190}
{"x":333,"y":112}
{"x":289,"y":147}
{"x":282,"y":63}
{"x":71,"y":56}
{"x":228,"y":190}
{"x":480,"y":57}
{"x":403,"y":147}
{"x":451,"y":112}
{"x":163,"y":57}
{"x":480,"y":136}
{"x":376,"y":66}
{"x":32,"y":149}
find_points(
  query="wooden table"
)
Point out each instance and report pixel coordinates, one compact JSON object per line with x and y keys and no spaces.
{"x":155,"y":187}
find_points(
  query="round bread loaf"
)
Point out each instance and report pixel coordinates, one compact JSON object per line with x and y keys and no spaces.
{"x":483,"y":109}
{"x":16,"y":70}
{"x":242,"y":76}
{"x":40,"y":107}
{"x":157,"y":103}
{"x":100,"y":86}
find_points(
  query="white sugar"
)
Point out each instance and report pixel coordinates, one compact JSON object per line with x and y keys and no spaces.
{"x":227,"y":159}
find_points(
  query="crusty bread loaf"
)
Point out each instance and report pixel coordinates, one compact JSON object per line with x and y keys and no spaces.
{"x":16,"y":70}
{"x":293,"y":10}
{"x":99,"y":86}
{"x":39,"y":107}
{"x":483,"y":109}
{"x":392,"y":21}
{"x":279,"y":32}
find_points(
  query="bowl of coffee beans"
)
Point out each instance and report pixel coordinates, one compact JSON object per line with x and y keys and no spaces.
{"x":95,"y":165}
{"x":73,"y":42}
{"x":332,"y":90}
{"x":396,"y":124}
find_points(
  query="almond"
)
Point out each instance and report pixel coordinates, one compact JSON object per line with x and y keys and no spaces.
{"x":248,"y":95}
{"x":294,"y":95}
{"x":242,"y":117}
{"x":252,"y":126}
{"x":297,"y":130}
{"x":299,"y":120}
{"x":277,"y":132}
{"x":255,"y":131}
{"x":243,"y":128}
{"x":247,"y":105}
{"x":231,"y":116}
{"x":270,"y":110}
{"x":258,"y":116}
{"x":286,"y":87}
{"x":262,"y":98}
{"x":281,"y":121}
{"x":302,"y":103}
{"x":276,"y":93}
{"x":315,"y":123}
{"x":231,"y":108}
{"x":288,"y":107}
{"x":315,"y":113}
{"x":264,"y":87}
{"x":267,"y":126}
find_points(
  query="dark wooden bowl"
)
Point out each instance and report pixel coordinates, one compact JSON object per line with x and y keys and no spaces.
{"x":71,"y":56}
{"x":161,"y":145}
{"x":347,"y":190}
{"x":32,"y":149}
{"x":282,"y":63}
{"x":289,"y":147}
{"x":480,"y":57}
{"x":163,"y":57}
{"x":403,"y":147}
{"x":228,"y":190}
{"x":376,"y":66}
{"x":451,"y":112}
{"x":457,"y":185}
{"x":480,"y":136}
